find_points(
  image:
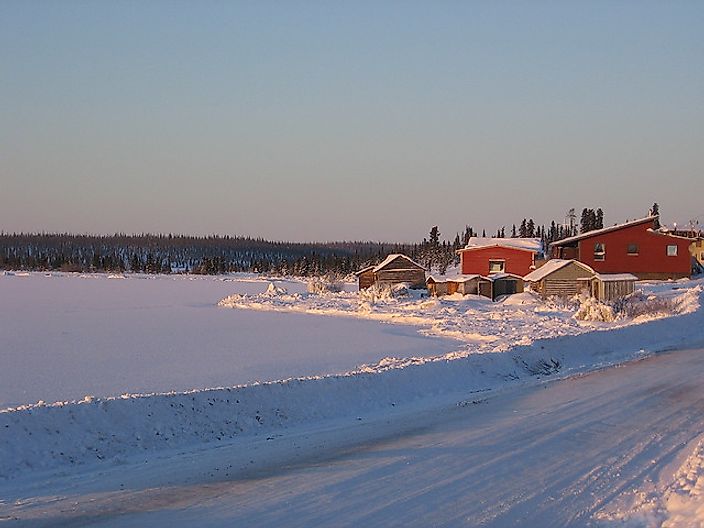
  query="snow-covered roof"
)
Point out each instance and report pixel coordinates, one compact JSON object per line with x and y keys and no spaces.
{"x":597,"y":232}
{"x":615,"y":277}
{"x":528,"y":244}
{"x":452,"y":278}
{"x":497,"y":276}
{"x":364,"y":270}
{"x":388,"y":260}
{"x":552,"y":266}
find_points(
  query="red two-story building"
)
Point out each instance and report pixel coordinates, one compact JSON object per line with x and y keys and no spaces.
{"x":485,"y":256}
{"x":633,"y":247}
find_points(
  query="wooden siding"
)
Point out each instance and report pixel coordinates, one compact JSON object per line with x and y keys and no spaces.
{"x":437,"y":288}
{"x":560,"y":287}
{"x":485,"y":289}
{"x":611,"y":290}
{"x":415,"y":278}
{"x":399,"y":270}
{"x":563,"y":282}
{"x":366,"y":279}
{"x":469,"y":287}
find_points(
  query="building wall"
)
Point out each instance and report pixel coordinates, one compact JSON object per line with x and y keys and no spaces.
{"x":506,"y":287}
{"x":516,"y":261}
{"x":469,"y":287}
{"x":651,"y":262}
{"x":563,"y":282}
{"x":366,"y":279}
{"x":696,"y":249}
{"x":612,"y":290}
{"x":414,"y":277}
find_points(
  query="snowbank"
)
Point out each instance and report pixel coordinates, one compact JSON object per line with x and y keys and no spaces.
{"x":58,"y":436}
{"x":677,"y":503}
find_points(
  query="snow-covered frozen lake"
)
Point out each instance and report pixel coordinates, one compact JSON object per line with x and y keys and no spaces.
{"x":64,"y":336}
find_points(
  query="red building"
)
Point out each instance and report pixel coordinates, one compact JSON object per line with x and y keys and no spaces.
{"x":484,"y":256}
{"x":634,"y":247}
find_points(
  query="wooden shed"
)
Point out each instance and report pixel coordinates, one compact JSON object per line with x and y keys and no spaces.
{"x":559,"y":277}
{"x":436,"y":287}
{"x":505,"y":284}
{"x":610,"y":286}
{"x":365,"y":277}
{"x":464,"y":284}
{"x":394,"y":269}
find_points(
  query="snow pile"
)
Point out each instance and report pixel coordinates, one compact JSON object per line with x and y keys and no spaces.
{"x":592,"y":310}
{"x":274,"y":291}
{"x":679,"y":503}
{"x":684,"y":501}
{"x":644,"y":306}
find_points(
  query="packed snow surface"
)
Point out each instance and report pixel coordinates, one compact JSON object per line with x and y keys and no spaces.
{"x":65,"y":336}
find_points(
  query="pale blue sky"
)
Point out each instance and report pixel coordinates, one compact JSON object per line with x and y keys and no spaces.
{"x":346,"y":120}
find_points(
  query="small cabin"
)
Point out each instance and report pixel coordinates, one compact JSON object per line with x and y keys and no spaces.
{"x":492,"y":287}
{"x":436,"y":287}
{"x":394,"y":269}
{"x":463,"y":284}
{"x":610,"y":286}
{"x":505,"y":284}
{"x":559,"y":277}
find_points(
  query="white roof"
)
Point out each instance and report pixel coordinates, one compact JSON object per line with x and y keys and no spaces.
{"x":614,"y":277}
{"x":603,"y":230}
{"x":529,"y":244}
{"x":550,"y":267}
{"x":497,"y":276}
{"x":452,"y":278}
{"x":388,"y":260}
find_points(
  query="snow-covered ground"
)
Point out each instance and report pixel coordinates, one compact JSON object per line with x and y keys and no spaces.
{"x":674,"y":499}
{"x":551,"y":454}
{"x":483,"y":325}
{"x":521,"y":342}
{"x":65,"y":336}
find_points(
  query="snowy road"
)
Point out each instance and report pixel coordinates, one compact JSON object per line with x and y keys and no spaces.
{"x":553,"y":454}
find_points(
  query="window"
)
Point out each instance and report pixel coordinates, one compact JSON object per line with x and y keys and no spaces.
{"x":632,"y":249}
{"x":671,"y":251}
{"x":599,"y":251}
{"x":496,"y":266}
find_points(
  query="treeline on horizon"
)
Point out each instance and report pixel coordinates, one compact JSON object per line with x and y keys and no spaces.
{"x":148,"y":253}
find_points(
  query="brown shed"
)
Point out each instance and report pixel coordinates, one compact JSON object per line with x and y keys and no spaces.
{"x":395,"y":269}
{"x":436,"y":287}
{"x":559,"y":277}
{"x":464,"y":284}
{"x":610,"y":286}
{"x":365,"y":277}
{"x":505,"y":284}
